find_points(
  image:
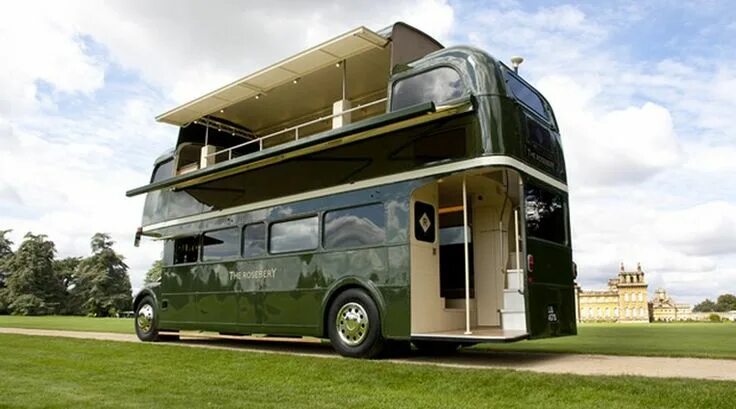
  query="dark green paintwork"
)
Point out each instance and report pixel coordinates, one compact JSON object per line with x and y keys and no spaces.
{"x":204,"y":296}
{"x":370,"y":123}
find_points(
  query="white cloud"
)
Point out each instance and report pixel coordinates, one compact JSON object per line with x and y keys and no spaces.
{"x":189,"y":50}
{"x":38,"y":47}
{"x":621,"y":146}
{"x":706,"y":229}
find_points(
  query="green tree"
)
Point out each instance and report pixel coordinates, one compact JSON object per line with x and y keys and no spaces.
{"x":705,"y":306}
{"x":66,"y":271}
{"x":33,"y":286}
{"x":6,"y":252}
{"x":5,"y":245}
{"x":154,"y":273}
{"x":726,"y":302}
{"x":102,"y":283}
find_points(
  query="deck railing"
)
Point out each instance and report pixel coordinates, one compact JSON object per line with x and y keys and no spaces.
{"x":294,"y":129}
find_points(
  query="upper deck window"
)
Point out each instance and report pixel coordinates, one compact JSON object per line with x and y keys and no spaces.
{"x":526,"y":95}
{"x":163,"y":171}
{"x":545,"y":214}
{"x":438,"y":85}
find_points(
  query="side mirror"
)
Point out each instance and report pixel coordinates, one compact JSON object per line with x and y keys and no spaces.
{"x":138,"y":234}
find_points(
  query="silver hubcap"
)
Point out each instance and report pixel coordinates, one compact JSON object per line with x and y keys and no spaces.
{"x":145,"y":318}
{"x":352,"y":324}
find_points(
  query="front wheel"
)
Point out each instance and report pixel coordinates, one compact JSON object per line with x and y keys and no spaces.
{"x":146,"y":320}
{"x":354,"y":325}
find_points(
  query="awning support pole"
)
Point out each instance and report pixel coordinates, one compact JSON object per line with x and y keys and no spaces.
{"x":467,"y":258}
{"x":518,"y":256}
{"x":344,"y":79}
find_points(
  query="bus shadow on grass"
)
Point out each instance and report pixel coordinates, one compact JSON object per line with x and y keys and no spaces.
{"x":316,"y":347}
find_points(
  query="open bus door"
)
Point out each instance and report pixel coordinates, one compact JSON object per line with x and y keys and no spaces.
{"x":548,"y":263}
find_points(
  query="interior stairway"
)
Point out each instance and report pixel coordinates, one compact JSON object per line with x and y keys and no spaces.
{"x":513,"y":314}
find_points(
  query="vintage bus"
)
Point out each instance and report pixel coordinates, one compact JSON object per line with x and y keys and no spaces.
{"x":377,"y":189}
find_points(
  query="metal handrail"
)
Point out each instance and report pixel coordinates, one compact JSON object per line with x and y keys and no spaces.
{"x":293,"y":128}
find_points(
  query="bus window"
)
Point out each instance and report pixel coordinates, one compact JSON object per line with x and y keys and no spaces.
{"x":163,"y":171}
{"x":220,"y":244}
{"x":545,"y":215}
{"x":294,"y":235}
{"x":525,"y":95}
{"x":186,"y":250}
{"x":438,"y":85}
{"x":254,"y":240}
{"x":358,"y":226}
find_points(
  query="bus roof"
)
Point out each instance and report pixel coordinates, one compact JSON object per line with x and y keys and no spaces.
{"x":330,"y":52}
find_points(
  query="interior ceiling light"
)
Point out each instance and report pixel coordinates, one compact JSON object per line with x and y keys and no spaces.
{"x":296,"y":80}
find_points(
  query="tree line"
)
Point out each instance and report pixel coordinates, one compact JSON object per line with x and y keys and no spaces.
{"x":724,"y":303}
{"x":34,"y":282}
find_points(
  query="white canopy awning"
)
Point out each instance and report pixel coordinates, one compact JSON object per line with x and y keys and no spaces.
{"x":328,"y":53}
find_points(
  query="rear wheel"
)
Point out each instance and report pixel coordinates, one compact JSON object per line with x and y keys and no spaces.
{"x":354,"y":325}
{"x":146,"y":320}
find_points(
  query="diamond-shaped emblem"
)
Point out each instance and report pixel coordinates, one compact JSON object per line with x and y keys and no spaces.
{"x":424,"y":222}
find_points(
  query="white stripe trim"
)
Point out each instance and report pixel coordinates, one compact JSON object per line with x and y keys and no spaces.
{"x":521,"y":334}
{"x":383,"y":180}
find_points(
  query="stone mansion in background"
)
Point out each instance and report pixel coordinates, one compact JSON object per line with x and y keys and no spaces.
{"x":626,"y":300}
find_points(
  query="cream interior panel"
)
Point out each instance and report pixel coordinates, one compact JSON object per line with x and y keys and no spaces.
{"x":428,"y":312}
{"x":487,"y":199}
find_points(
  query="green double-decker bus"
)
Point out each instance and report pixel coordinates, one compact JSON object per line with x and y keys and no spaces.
{"x":377,"y":189}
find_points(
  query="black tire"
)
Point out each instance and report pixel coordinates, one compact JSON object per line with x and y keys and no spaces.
{"x":437,"y":347}
{"x":146,"y":320}
{"x":360,"y":336}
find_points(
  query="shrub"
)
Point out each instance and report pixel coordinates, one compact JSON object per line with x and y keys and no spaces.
{"x":29,"y":304}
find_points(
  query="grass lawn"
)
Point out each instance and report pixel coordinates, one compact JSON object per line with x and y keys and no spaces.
{"x":703,"y":340}
{"x":56,"y":372}
{"x":121,"y":325}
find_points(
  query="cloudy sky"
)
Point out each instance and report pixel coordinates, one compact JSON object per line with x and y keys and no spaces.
{"x":644,"y":93}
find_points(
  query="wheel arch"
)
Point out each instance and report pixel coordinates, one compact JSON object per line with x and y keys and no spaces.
{"x":142,"y":294}
{"x":346,"y":284}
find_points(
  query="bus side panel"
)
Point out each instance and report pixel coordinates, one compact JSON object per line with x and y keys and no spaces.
{"x":217,"y":302}
{"x":291,"y":301}
{"x":177,"y":300}
{"x":551,"y":297}
{"x":287,"y":297}
{"x":397,"y":307}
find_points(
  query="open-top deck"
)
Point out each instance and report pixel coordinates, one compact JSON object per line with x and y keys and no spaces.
{"x":344,"y":112}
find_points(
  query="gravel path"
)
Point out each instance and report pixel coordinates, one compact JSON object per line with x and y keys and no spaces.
{"x":657,"y":367}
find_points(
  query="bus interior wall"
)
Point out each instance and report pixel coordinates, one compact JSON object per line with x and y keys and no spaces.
{"x":438,"y":268}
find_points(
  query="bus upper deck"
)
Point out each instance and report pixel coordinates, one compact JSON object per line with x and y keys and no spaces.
{"x":351,"y":98}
